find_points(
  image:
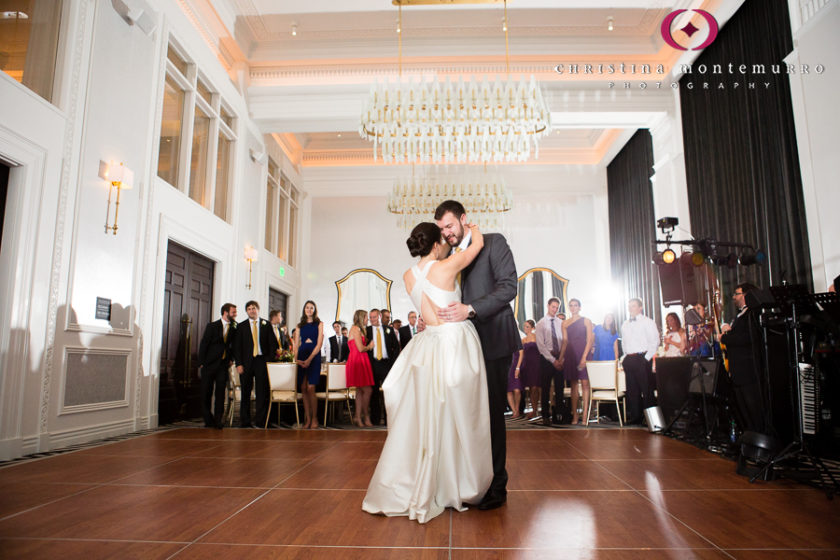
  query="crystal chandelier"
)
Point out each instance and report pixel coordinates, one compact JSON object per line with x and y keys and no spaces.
{"x":476,"y":121}
{"x":485,"y":198}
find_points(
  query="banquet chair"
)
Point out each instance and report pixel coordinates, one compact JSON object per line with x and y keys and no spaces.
{"x":282,"y":379}
{"x":336,"y":388}
{"x":234,"y":393}
{"x":604,"y":386}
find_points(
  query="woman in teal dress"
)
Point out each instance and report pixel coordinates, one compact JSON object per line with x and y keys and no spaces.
{"x":309,"y":337}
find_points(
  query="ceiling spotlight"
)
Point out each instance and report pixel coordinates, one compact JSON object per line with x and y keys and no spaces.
{"x":750,"y":257}
{"x":610,"y":23}
{"x":698,"y":258}
{"x":294,"y":29}
{"x":669,"y":256}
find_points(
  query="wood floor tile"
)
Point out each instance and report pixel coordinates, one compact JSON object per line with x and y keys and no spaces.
{"x":17,"y":497}
{"x":652,"y":447}
{"x":222,"y":472}
{"x":577,"y":520}
{"x":785,"y":554}
{"x":589,"y":554}
{"x":85,"y":550}
{"x":237,"y":552}
{"x":560,"y":475}
{"x":153,"y":448}
{"x":77,"y":468}
{"x":145,"y":513}
{"x":685,"y":475}
{"x":324,"y":473}
{"x":353,"y":451}
{"x":327,"y":517}
{"x":759,"y":518}
{"x":550,"y":449}
{"x":268,"y":449}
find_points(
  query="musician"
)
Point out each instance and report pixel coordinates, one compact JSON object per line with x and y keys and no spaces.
{"x":742,"y":338}
{"x":700,"y":336}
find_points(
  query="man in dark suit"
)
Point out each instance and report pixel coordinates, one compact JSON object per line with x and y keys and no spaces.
{"x":339,"y":351}
{"x":409,"y":330}
{"x":488,"y":285}
{"x":255,"y":345}
{"x":742,"y":338}
{"x":275,"y":317}
{"x":215,"y":354}
{"x":382,"y":356}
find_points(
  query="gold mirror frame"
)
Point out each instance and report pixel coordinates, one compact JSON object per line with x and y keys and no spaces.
{"x":558,"y":282}
{"x":338,"y":284}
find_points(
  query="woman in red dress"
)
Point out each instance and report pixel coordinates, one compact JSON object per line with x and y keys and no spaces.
{"x":358,"y":370}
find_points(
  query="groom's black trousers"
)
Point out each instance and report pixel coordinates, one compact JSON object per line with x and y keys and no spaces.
{"x":497,"y":377}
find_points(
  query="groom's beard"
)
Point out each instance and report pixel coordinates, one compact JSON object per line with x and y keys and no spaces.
{"x":455,"y":239}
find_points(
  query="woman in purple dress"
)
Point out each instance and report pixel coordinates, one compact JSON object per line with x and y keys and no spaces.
{"x":522,"y":368}
{"x":578,"y":340}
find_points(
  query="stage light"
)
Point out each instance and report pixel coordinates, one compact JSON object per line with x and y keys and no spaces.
{"x":749,"y":257}
{"x":698,"y":258}
{"x":669,"y":256}
{"x":732,"y":260}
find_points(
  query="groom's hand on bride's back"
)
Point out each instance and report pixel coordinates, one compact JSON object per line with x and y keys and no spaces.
{"x":454,"y":312}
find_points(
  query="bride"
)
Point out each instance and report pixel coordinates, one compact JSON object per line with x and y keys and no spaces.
{"x":437,"y":453}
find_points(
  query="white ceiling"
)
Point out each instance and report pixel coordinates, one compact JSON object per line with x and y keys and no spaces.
{"x":313,"y":84}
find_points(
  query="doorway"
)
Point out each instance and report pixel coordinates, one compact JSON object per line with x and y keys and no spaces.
{"x":187,"y":309}
{"x":279,"y":301}
{"x":4,"y":188}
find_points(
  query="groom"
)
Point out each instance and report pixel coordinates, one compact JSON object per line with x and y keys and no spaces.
{"x":488,"y":285}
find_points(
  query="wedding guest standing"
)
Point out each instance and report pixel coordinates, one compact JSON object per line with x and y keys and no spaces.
{"x":255,"y":345}
{"x":358,"y":368}
{"x":339,"y":350}
{"x":606,"y":339}
{"x":215,"y":354}
{"x":549,"y":340}
{"x":382,"y":356}
{"x":409,"y":330}
{"x":640,"y":341}
{"x":524,"y":370}
{"x":578,"y":340}
{"x":309,"y":337}
{"x":674,"y":339}
{"x":275,"y":317}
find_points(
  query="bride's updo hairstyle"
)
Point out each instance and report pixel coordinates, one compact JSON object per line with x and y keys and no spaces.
{"x":423,"y":238}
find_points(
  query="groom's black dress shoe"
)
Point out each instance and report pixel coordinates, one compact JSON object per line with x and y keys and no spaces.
{"x":492,"y":501}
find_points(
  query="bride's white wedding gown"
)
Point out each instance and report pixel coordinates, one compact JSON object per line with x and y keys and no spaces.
{"x":437,"y":453}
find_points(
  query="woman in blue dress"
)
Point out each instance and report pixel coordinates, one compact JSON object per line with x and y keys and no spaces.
{"x":606,"y":339}
{"x":309,"y":337}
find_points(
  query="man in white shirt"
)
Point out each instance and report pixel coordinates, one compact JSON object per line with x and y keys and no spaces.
{"x":549,"y":340}
{"x":640,"y":340}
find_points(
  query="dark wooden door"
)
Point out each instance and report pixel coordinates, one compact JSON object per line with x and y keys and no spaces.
{"x":280,"y":301}
{"x":187,"y":308}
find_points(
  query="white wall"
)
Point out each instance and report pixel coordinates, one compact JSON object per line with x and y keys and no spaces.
{"x":559,"y":221}
{"x":817,"y":123}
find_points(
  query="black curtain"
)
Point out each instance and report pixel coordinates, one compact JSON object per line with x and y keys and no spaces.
{"x":632,"y":224}
{"x":741,"y":158}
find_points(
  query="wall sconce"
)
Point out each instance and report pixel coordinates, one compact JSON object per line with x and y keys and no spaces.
{"x":250,"y":256}
{"x":120,"y":177}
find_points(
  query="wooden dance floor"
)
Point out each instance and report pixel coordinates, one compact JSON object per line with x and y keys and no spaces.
{"x":573,"y":493}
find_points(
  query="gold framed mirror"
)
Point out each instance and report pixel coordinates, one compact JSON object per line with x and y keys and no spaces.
{"x":533,"y":290}
{"x":362,"y":288}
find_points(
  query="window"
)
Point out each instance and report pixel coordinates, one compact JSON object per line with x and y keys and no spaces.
{"x":281,"y":215}
{"x":197,"y":137}
{"x":29,"y":42}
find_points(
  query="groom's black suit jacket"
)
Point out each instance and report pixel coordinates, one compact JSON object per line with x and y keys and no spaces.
{"x":489,"y":285}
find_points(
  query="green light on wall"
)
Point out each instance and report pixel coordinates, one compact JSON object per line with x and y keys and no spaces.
{"x":282,"y":271}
